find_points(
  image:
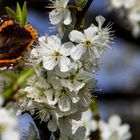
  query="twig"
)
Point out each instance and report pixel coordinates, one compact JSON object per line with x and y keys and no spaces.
{"x":81,"y":15}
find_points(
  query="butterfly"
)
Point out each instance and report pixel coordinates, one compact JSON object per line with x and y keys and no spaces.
{"x":15,"y":40}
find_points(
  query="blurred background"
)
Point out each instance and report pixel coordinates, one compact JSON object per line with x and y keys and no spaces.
{"x":119,"y":74}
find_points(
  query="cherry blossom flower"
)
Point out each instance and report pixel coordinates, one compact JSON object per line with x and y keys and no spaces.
{"x":114,"y":129}
{"x":54,"y":53}
{"x":8,"y":126}
{"x":60,"y":14}
{"x":90,"y":43}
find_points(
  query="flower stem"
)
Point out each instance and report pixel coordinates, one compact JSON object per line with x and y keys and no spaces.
{"x":96,"y":117}
{"x":95,"y":110}
{"x":81,"y":15}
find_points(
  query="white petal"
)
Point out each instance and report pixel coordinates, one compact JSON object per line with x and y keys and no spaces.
{"x":66,"y":48}
{"x":100,"y":20}
{"x":78,"y":51}
{"x":64,"y":103}
{"x":11,"y":134}
{"x":83,"y":76}
{"x":103,"y":126}
{"x":52,"y":125}
{"x":130,"y":3}
{"x":91,"y":31}
{"x":49,"y":62}
{"x":117,"y":3}
{"x":123,"y":130}
{"x":84,"y":100}
{"x":67,"y":17}
{"x":64,"y":64}
{"x":67,"y":83}
{"x":114,"y":121}
{"x":42,"y":39}
{"x":76,"y":36}
{"x":80,"y":134}
{"x":55,"y":81}
{"x":55,"y":16}
{"x":74,"y":97}
{"x":43,"y":50}
{"x":94,"y":53}
{"x":54,"y":42}
{"x":77,"y":85}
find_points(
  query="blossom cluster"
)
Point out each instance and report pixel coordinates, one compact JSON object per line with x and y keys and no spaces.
{"x":61,"y":88}
{"x":108,"y":130}
{"x":132,"y":10}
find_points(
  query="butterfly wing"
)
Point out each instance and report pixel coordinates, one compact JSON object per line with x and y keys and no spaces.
{"x":14,"y":41}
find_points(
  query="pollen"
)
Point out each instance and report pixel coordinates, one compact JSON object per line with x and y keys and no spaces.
{"x":88,"y":43}
{"x":56,"y":55}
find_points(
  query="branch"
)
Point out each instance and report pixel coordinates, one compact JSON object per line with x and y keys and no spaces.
{"x":81,"y":15}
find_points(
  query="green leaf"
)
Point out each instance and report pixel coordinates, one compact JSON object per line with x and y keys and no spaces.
{"x":24,"y":12}
{"x":10,"y":12}
{"x":24,"y":76}
{"x":21,"y":13}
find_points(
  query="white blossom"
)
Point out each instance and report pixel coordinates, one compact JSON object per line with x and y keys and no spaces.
{"x":8,"y":126}
{"x":54,"y":53}
{"x":61,"y":13}
{"x":66,"y":99}
{"x":74,"y":80}
{"x":87,"y":121}
{"x":90,"y":43}
{"x":123,"y":3}
{"x":113,"y":130}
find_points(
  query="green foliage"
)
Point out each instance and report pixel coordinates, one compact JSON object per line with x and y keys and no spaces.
{"x":81,"y":4}
{"x":20,"y":15}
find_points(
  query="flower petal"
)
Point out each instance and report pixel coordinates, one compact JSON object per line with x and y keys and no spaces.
{"x":66,"y":48}
{"x":49,"y":62}
{"x":54,"y":41}
{"x":76,"y":36}
{"x":64,"y":103}
{"x":64,"y":64}
{"x":91,"y":31}
{"x":114,"y":121}
{"x":78,"y":51}
{"x":74,"y":97}
{"x":67,"y":17}
{"x":55,"y":16}
{"x":52,"y":125}
{"x":100,"y":20}
{"x":67,"y":83}
{"x":77,"y":85}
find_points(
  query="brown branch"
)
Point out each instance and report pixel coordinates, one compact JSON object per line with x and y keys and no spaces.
{"x":81,"y":15}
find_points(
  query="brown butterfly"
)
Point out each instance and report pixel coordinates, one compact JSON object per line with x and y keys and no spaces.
{"x":14,"y":40}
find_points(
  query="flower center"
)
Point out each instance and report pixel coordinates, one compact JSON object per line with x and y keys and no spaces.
{"x":72,"y":77}
{"x":57,"y":55}
{"x":63,"y":92}
{"x":88,"y":43}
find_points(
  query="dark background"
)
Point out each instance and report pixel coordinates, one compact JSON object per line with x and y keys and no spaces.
{"x":119,"y":74}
